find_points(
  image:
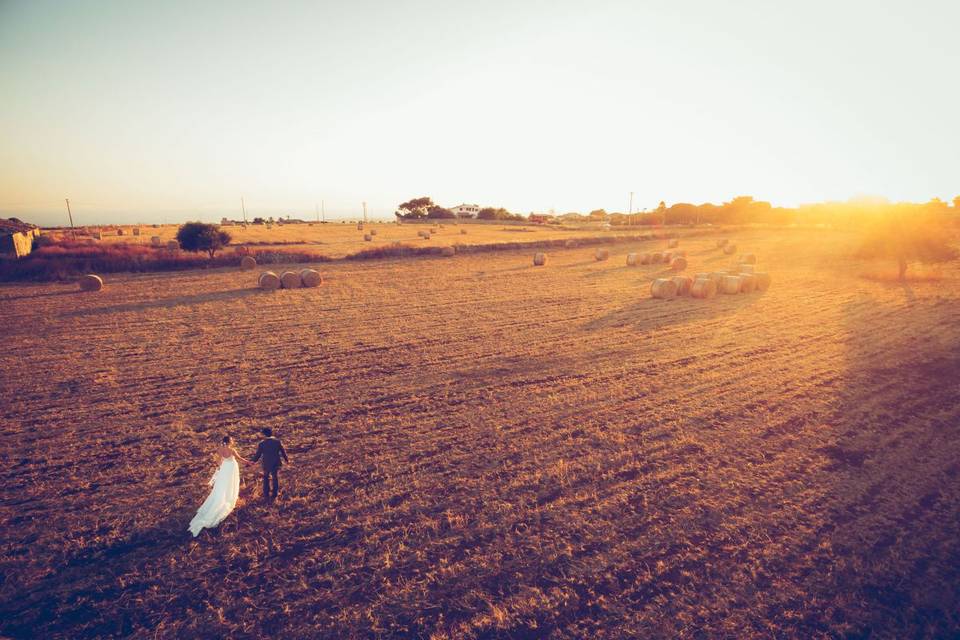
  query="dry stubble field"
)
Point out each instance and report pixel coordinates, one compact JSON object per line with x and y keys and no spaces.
{"x":336,"y":240}
{"x":482,"y":448}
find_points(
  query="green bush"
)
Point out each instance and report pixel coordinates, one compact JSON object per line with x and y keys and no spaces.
{"x":200,"y":236}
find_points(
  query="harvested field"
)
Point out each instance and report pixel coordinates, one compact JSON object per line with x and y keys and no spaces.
{"x":337,"y":240}
{"x":484,"y":448}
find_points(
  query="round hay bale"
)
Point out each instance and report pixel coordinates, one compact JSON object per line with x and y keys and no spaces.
{"x":424,"y":234}
{"x":678,"y":264}
{"x":601,"y":254}
{"x":119,"y":232}
{"x":721,"y":243}
{"x":730,"y":249}
{"x":745,"y":268}
{"x":656,"y":257}
{"x":539,"y":259}
{"x":373,"y":232}
{"x":290,"y":280}
{"x":433,"y":230}
{"x":269,"y":281}
{"x":90,"y":282}
{"x":136,"y":231}
{"x":367,"y":238}
{"x":248,"y":263}
{"x":683,"y":284}
{"x":672,"y":242}
{"x":748,"y":284}
{"x":663,"y":288}
{"x":762,"y":280}
{"x":463,"y":232}
{"x":730,"y":284}
{"x":667,"y":256}
{"x":173,"y":245}
{"x":310,"y":278}
{"x":156,"y":241}
{"x":448,"y":252}
{"x":704,"y":288}
{"x":633,"y":259}
{"x":748,"y":258}
{"x":360,"y":227}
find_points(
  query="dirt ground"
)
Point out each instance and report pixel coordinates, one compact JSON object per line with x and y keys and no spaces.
{"x":482,"y":448}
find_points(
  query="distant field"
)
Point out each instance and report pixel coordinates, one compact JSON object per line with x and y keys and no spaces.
{"x":484,"y":448}
{"x":337,"y":240}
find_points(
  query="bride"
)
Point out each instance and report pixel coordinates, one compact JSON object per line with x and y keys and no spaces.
{"x":226,"y":489}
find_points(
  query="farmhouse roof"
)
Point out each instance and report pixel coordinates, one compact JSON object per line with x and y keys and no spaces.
{"x":8,"y":227}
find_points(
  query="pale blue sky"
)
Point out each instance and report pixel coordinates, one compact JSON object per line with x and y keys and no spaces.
{"x":147,"y":111}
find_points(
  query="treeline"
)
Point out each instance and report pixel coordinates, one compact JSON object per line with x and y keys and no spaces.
{"x":424,"y":207}
{"x":746,"y":210}
{"x":740,"y":210}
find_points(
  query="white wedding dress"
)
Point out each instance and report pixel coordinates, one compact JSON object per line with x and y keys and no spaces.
{"x":222,"y":498}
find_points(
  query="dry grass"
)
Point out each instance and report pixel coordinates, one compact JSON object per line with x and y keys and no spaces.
{"x":67,"y":259}
{"x":337,"y":240}
{"x":483,"y":448}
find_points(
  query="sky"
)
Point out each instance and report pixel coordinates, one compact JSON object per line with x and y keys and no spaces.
{"x":169,"y":111}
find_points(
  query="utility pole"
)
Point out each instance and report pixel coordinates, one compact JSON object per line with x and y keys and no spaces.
{"x":316,"y":211}
{"x":323,"y":211}
{"x":69,"y":213}
{"x":364,"y":212}
{"x":631,"y":202}
{"x":244,"y":207}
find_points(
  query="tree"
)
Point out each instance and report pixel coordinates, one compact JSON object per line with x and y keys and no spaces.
{"x":489,"y":213}
{"x":199,"y":236}
{"x":598,"y":214}
{"x":914,"y":238}
{"x":440,"y":212}
{"x":415,"y":208}
{"x":259,"y":220}
{"x":681,"y":213}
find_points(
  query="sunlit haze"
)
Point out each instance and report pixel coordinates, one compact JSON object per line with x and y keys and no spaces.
{"x":149,"y":112}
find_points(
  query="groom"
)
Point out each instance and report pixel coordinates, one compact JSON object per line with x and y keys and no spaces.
{"x":271,"y":452}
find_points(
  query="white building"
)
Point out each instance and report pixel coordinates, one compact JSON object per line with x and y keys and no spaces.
{"x":466,"y":210}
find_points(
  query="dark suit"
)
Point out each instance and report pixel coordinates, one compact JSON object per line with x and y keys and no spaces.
{"x":272,"y":455}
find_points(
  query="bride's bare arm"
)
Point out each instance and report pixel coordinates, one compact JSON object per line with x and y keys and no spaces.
{"x":237,"y":455}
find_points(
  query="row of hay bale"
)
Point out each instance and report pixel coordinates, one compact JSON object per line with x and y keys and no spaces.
{"x":171,"y":245}
{"x":427,"y":233}
{"x":708,"y":285}
{"x":270,"y":281}
{"x":676,"y":259}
